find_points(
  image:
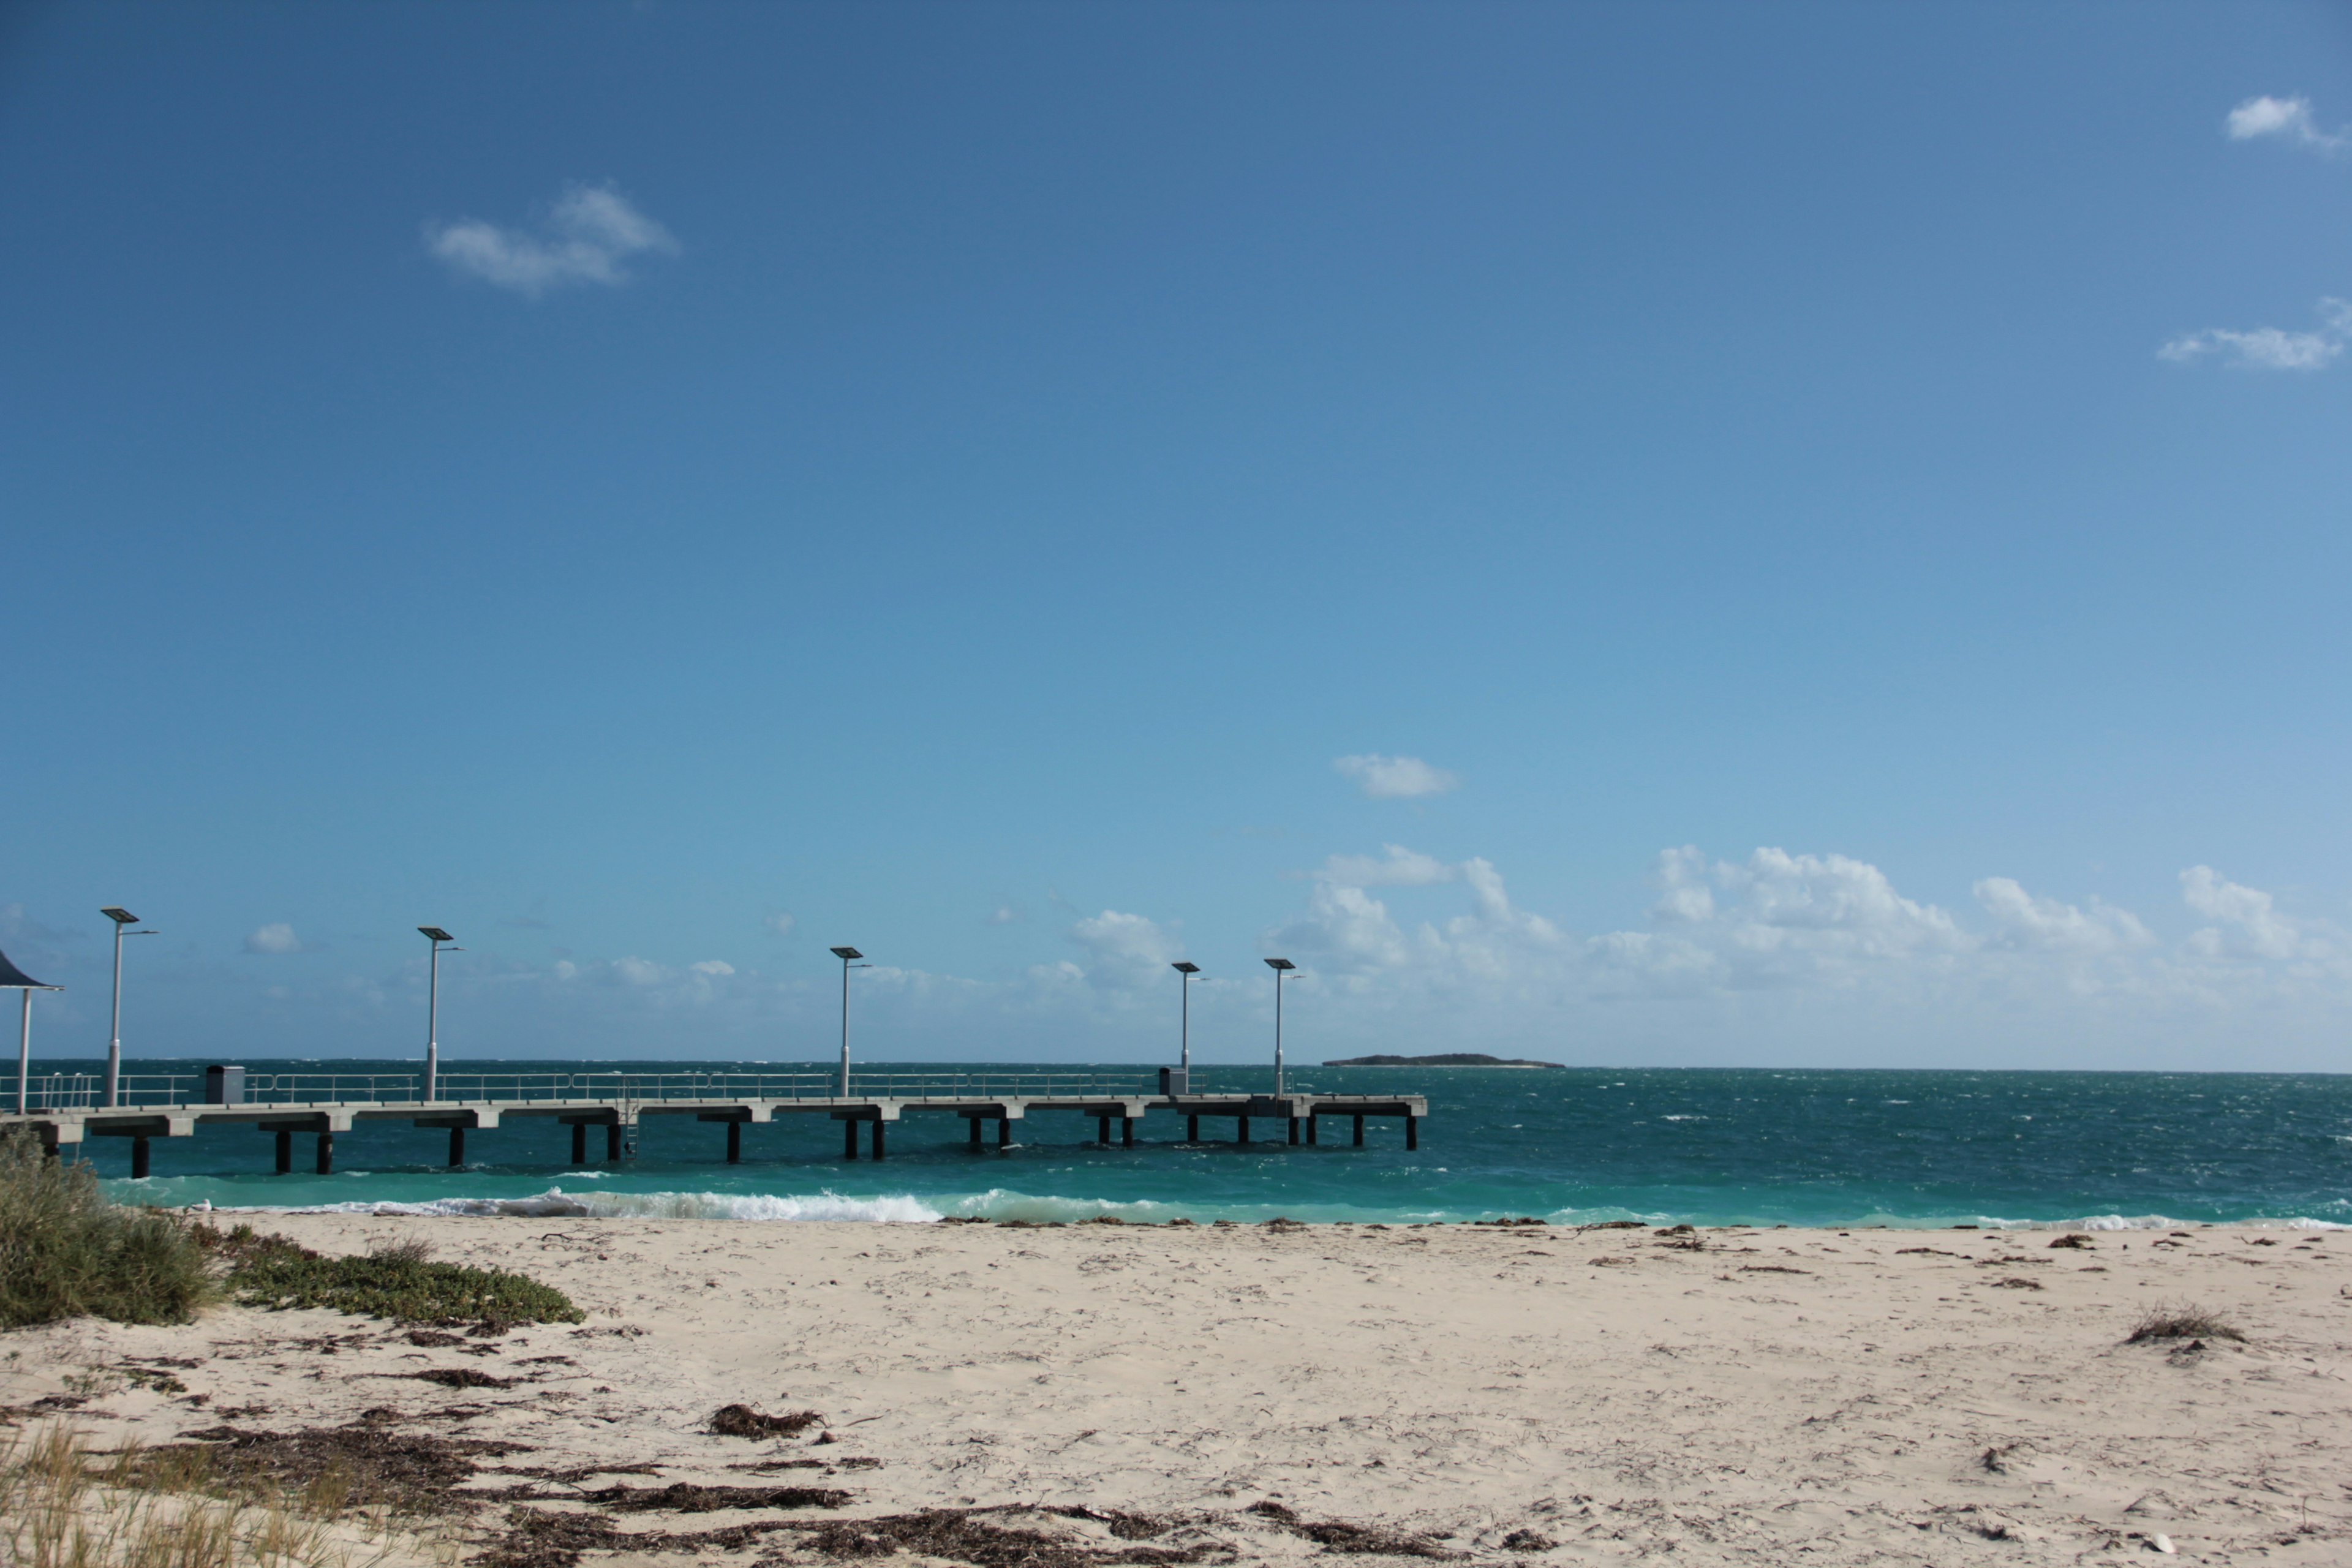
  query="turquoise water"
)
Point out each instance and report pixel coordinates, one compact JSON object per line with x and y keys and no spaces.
{"x":1711,"y":1147}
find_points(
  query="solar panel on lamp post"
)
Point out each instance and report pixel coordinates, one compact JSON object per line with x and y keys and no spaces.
{"x":1281,"y":967}
{"x":14,"y":979}
{"x":122,"y":918}
{"x":848,"y":956}
{"x":437,"y":936}
{"x":1184,"y":1035}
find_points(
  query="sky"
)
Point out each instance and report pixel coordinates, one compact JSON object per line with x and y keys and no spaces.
{"x":1627,"y":534}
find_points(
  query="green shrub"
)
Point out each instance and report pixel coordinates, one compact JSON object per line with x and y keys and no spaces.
{"x":65,"y":1252}
{"x":271,"y":1271}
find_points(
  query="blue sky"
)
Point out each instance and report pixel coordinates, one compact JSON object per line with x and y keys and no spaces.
{"x":1821,"y":529}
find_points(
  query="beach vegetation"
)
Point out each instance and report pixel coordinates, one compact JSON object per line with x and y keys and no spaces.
{"x":2182,"y":1321}
{"x":67,"y":1252}
{"x":64,"y":1505}
{"x":399,"y":1283}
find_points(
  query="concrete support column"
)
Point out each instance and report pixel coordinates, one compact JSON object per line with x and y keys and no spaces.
{"x":849,"y":1139}
{"x":580,"y":1143}
{"x":285,"y":1150}
{"x":1004,"y":1132}
{"x":734,"y":1142}
{"x":326,"y":1153}
{"x":1192,"y":1129}
{"x":1127,"y":1132}
{"x":612,"y":1140}
{"x":1359,"y":1132}
{"x":879,"y":1125}
{"x":1313,"y":1122}
{"x":975,"y":1133}
{"x":1412,"y":1131}
{"x":1102,"y":1131}
{"x":1294,"y":1130}
{"x":457,"y":1147}
{"x":1241,"y":1129}
{"x":138,"y":1158}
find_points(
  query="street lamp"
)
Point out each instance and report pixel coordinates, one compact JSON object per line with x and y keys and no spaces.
{"x":14,"y":979}
{"x":1281,"y":967}
{"x":437,"y":936}
{"x":122,"y":918}
{"x":848,"y":956}
{"x":1184,"y":1062}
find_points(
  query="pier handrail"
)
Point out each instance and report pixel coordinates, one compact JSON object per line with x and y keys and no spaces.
{"x":156,"y":1092}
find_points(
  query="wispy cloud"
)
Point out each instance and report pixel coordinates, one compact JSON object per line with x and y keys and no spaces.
{"x":585,"y":238}
{"x":2268,"y":348}
{"x":781,"y":924}
{"x":1395,"y":778}
{"x":2287,"y":118}
{"x":273,"y":939}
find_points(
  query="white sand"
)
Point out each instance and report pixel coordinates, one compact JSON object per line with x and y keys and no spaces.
{"x":1607,"y":1392}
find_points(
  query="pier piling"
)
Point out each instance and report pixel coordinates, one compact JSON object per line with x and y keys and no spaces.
{"x":1241,"y":1129}
{"x":974,"y":1121}
{"x":326,"y":1153}
{"x":580,"y":1143}
{"x":1127,"y":1132}
{"x":285,"y":1150}
{"x":1359,"y":1132}
{"x":849,"y":1139}
{"x":1413,"y":1133}
{"x":879,"y":1125}
{"x":1102,"y":1131}
{"x":138,"y":1158}
{"x":1313,"y":1122}
{"x":1192,"y":1129}
{"x":1004,"y":1132}
{"x":457,"y":1147}
{"x":612,"y":1139}
{"x":734,"y":1142}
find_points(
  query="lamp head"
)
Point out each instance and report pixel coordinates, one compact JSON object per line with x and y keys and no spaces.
{"x":1279,"y":964}
{"x":435,"y":933}
{"x":1183,"y":968}
{"x":119,"y":915}
{"x":847,"y":953}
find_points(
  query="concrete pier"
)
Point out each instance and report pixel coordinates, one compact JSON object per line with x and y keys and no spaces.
{"x":574,"y":1100}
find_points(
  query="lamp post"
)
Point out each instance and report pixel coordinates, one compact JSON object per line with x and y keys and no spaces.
{"x":437,"y":936}
{"x":122,"y":919}
{"x":1281,"y":967}
{"x":849,"y":957}
{"x":1184,"y":1058}
{"x":14,"y":979}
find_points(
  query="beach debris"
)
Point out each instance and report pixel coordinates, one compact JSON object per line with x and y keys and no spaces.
{"x":432,"y":1339}
{"x":2185,"y":1320}
{"x":450,"y":1378}
{"x":1770,"y":1268}
{"x":2072,"y":1238}
{"x":1613,"y":1224}
{"x":2017,"y":1283}
{"x":1994,"y":1459}
{"x":685,"y":1497}
{"x":1607,"y":1262}
{"x":1527,"y":1541}
{"x":1174,"y":1223}
{"x":2159,"y":1541}
{"x":1937,"y":1250}
{"x":742,"y":1421}
{"x":1280,"y":1222}
{"x":1104,"y":1220}
{"x":409,"y":1473}
{"x":1337,"y":1535}
{"x":958,"y":1535}
{"x":1681,"y":1237}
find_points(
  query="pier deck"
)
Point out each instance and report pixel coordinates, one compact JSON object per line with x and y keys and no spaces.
{"x":64,"y":1109}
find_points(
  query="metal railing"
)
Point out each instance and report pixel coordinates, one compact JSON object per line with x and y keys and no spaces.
{"x":86,"y":1092}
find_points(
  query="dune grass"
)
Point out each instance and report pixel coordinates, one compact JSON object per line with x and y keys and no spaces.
{"x":67,"y":1252}
{"x":399,"y":1282}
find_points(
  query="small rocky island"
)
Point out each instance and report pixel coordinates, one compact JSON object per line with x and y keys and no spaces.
{"x":1449,"y":1059}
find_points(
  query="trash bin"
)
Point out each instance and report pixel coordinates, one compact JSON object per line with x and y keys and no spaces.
{"x":1175,"y":1080}
{"x":224,"y":1085}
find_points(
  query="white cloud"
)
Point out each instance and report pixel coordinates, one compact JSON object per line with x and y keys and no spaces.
{"x":2289,"y":118}
{"x":2025,"y":921}
{"x":584,"y":239}
{"x":2261,"y":348}
{"x":273,"y":939}
{"x":1395,"y":778}
{"x":1005,"y":915}
{"x":780,"y":924}
{"x":713,"y":967}
{"x":1126,"y":950}
{"x":2259,"y":929}
{"x":638,"y":971}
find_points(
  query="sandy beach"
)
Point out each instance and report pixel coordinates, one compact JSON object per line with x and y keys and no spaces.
{"x":1271,"y":1393}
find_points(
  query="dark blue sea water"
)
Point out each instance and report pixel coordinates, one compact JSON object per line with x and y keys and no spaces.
{"x":1758,"y":1147}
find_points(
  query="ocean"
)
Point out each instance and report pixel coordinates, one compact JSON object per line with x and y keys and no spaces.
{"x":1758,"y":1147}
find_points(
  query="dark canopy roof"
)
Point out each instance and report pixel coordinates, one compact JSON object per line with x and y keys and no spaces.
{"x":14,"y":979}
